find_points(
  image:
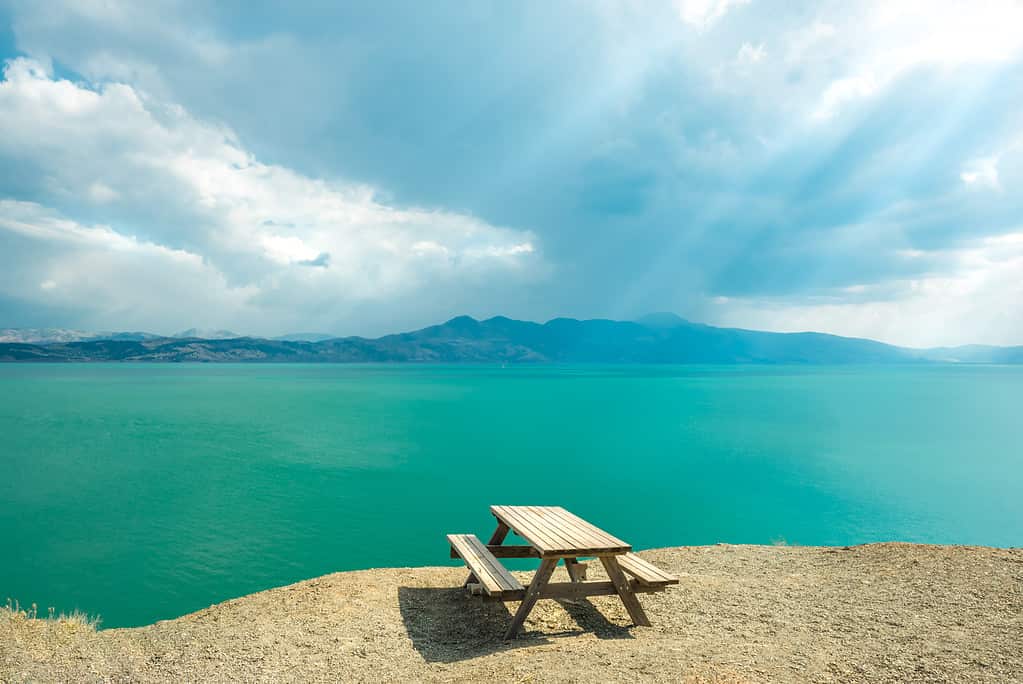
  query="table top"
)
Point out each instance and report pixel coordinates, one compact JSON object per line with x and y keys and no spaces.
{"x":553,"y":531}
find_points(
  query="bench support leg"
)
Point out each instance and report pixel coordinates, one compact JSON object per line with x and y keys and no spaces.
{"x":496,"y":538}
{"x":540,"y":579}
{"x":614,"y":572}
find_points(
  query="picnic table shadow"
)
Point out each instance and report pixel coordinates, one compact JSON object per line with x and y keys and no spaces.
{"x":447,"y":625}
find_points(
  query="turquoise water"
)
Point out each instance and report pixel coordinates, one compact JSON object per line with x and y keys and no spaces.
{"x":142,"y":492}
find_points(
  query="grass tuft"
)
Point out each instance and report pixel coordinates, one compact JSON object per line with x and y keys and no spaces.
{"x":75,"y":619}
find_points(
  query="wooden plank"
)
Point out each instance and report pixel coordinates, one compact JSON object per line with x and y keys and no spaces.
{"x":508,"y":552}
{"x":583,"y":538}
{"x":507,"y":580}
{"x":562,"y":537}
{"x":591,"y":535}
{"x":496,"y":538}
{"x":493,"y":576}
{"x":503,"y":580}
{"x":524,"y":528}
{"x":558,"y":590}
{"x":542,"y":576}
{"x":587,"y":535}
{"x":503,"y":518}
{"x":579,"y":538}
{"x":602,"y":538}
{"x":608,"y":538}
{"x":556,"y":532}
{"x":645,"y":571}
{"x":479,"y":572}
{"x":625,"y":591}
{"x":514,"y":551}
{"x":555,"y":590}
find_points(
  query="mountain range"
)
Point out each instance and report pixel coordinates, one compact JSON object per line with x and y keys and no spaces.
{"x":55,"y":335}
{"x":657,"y":338}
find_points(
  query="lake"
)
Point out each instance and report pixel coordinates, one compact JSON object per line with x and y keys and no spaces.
{"x":143,"y":491}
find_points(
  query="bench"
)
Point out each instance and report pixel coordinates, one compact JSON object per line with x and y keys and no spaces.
{"x":492,"y":577}
{"x":645,"y":572}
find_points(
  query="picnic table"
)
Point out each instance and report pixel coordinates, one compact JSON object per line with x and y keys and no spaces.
{"x":552,"y":535}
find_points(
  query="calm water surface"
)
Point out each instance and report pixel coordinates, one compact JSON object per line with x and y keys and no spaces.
{"x":143,"y":492}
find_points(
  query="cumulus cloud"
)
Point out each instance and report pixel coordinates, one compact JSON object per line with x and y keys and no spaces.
{"x":108,"y":276}
{"x":711,"y":157}
{"x":187,"y":195}
{"x":882,"y":41}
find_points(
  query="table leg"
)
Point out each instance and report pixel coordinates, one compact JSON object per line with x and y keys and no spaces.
{"x":499,"y":534}
{"x":496,"y":538}
{"x":540,"y":579}
{"x":576,"y":571}
{"x":614,"y":572}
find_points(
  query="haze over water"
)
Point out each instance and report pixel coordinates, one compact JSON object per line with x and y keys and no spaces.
{"x":143,"y":492}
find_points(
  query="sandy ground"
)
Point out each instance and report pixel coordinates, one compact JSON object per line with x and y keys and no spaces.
{"x":880,"y":612}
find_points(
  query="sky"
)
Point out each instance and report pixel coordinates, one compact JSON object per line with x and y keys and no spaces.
{"x":365,"y":168}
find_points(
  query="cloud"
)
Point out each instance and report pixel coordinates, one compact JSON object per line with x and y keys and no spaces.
{"x":107,"y":276}
{"x":102,"y":193}
{"x":703,"y":14}
{"x":322,"y":260}
{"x":748,"y":54}
{"x":844,"y":90}
{"x":979,"y":296}
{"x":983,"y":171}
{"x":186,"y":194}
{"x":882,"y":41}
{"x":603,"y":159}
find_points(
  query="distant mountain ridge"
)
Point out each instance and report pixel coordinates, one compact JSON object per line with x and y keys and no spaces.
{"x":207,"y":334}
{"x":304,"y":337}
{"x":57,"y":335}
{"x":974,"y":353}
{"x":61,"y":335}
{"x":657,"y":338}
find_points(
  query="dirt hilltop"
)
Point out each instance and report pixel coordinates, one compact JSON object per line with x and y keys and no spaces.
{"x":878,"y":612}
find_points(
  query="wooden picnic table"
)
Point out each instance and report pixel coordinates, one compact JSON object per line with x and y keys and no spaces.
{"x":553,"y":534}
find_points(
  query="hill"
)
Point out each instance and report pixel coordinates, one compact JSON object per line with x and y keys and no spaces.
{"x":57,"y":335}
{"x":659,"y":338}
{"x":206,"y":334}
{"x":974,"y":353}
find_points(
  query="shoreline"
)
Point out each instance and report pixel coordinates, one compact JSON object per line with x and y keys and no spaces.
{"x":877,"y":612}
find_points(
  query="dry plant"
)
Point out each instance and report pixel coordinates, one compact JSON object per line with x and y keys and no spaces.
{"x":74,"y":619}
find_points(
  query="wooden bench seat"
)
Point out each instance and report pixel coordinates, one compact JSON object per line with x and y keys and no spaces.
{"x":645,"y":572}
{"x":495,"y":580}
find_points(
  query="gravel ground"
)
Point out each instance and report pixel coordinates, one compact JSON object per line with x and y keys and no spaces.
{"x":873,"y":613}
